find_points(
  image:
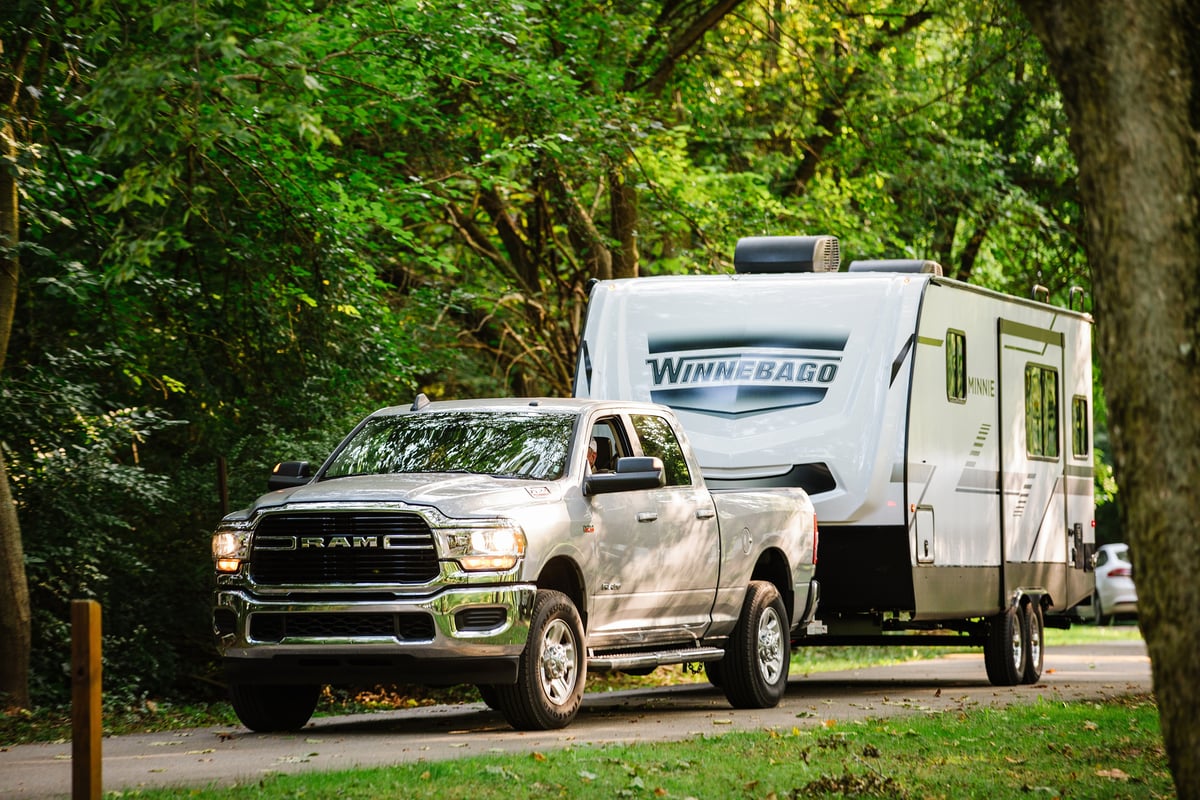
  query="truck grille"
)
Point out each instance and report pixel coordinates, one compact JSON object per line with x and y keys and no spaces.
{"x":343,"y":548}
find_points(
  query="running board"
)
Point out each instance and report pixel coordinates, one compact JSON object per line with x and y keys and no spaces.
{"x":627,"y":661}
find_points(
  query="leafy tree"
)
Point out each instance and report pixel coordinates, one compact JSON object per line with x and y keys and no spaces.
{"x":189,"y":214}
{"x":244,"y":224}
{"x":926,"y":129}
{"x":548,"y":140}
{"x":27,"y":59}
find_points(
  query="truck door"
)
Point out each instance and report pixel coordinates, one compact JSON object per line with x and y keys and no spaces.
{"x":1032,"y":497}
{"x":658,"y":568}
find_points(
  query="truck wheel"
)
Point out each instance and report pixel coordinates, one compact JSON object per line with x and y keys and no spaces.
{"x":755,"y":668}
{"x":274,"y":707}
{"x":1004,"y":651}
{"x":552,"y":669}
{"x":1033,"y":628}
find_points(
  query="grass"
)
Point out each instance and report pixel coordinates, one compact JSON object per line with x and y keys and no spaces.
{"x":54,"y":724}
{"x":1047,"y":749}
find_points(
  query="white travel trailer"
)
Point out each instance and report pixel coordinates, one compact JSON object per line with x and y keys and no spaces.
{"x":943,"y":431}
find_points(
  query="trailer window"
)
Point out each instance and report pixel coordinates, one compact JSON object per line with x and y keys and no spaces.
{"x":1080,"y":425}
{"x":658,"y":441}
{"x":956,"y":366}
{"x":1041,"y":411}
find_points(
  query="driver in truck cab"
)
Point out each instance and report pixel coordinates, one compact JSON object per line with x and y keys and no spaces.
{"x":593,"y":457}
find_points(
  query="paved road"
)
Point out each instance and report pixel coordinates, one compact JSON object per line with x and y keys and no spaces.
{"x":223,"y":756}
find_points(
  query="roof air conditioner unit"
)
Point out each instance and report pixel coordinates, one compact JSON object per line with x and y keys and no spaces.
{"x":896,"y":265}
{"x":776,"y":254}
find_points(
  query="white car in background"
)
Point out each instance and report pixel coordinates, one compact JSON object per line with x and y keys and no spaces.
{"x":1115,"y":593}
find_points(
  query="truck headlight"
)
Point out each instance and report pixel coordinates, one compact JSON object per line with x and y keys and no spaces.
{"x":231,"y":545}
{"x":495,"y":546}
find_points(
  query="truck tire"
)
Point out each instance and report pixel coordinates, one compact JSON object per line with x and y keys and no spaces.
{"x":1033,"y":628}
{"x":552,"y":669}
{"x":754,"y":671}
{"x":266,"y":708}
{"x":1004,"y":651}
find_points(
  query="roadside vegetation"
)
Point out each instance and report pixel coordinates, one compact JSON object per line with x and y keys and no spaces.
{"x":147,"y":716}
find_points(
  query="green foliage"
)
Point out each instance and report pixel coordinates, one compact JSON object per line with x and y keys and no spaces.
{"x":931,"y":131}
{"x":246,"y":224}
{"x":90,"y":514}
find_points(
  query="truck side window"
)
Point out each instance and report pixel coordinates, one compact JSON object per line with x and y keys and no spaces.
{"x":658,"y":441}
{"x":1041,"y":411}
{"x":956,"y":366}
{"x":608,"y":445}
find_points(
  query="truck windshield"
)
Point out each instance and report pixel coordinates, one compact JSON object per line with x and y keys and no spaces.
{"x":514,"y":445}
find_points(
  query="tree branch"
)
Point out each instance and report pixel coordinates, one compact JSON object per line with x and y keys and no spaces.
{"x":677,"y":30}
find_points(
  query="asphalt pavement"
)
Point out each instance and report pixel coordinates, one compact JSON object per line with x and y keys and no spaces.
{"x":223,"y":756}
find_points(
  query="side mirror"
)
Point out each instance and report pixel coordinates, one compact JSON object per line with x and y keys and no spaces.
{"x":288,"y":474}
{"x":631,"y":473}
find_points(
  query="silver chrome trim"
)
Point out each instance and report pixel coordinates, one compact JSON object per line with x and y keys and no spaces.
{"x":447,"y":642}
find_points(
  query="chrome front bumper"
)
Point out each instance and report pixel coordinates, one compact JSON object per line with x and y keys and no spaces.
{"x":436,"y":639}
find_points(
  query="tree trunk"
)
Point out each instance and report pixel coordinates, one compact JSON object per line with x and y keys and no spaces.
{"x":584,"y":236}
{"x":1128,"y":73}
{"x":14,"y":591}
{"x":624,"y":212}
{"x":14,"y":605}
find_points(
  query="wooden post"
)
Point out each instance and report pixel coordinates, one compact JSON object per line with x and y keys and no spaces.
{"x":86,"y":723}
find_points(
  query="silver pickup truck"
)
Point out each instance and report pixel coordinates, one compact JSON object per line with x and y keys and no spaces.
{"x":512,"y":544}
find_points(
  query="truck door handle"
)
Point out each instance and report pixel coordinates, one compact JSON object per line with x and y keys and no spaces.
{"x":647,"y":516}
{"x":705,"y":513}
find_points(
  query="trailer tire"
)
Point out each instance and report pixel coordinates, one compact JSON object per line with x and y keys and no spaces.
{"x":268,"y":708}
{"x":1005,"y":648}
{"x":1033,"y":628}
{"x":552,"y":669}
{"x":754,"y":671}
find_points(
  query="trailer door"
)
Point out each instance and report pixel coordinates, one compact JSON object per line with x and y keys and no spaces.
{"x":1033,"y":500}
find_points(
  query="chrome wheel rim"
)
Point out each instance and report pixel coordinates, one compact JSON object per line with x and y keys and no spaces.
{"x":558,"y":666}
{"x":1035,"y":642}
{"x":771,"y":652}
{"x":1018,"y":649}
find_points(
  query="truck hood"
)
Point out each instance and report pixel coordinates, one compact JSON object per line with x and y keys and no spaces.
{"x":452,"y":494}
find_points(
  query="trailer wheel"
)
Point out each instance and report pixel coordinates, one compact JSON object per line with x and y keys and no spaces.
{"x":755,"y":668}
{"x":266,"y":708}
{"x":1004,"y":651}
{"x":1033,"y":628}
{"x":552,"y":668}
